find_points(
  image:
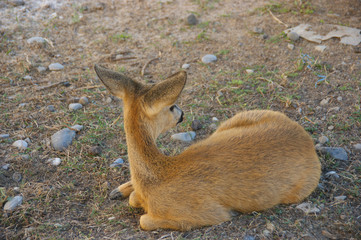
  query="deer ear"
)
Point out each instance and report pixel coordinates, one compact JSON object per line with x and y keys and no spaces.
{"x":165,"y":93}
{"x":118,"y":84}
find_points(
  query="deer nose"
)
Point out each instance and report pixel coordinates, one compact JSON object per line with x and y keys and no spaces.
{"x":181,"y":118}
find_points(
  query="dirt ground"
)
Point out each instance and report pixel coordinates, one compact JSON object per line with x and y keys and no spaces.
{"x":71,"y":201}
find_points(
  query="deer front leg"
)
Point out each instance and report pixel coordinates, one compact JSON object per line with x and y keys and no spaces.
{"x":135,"y":200}
{"x":123,"y":191}
{"x":148,"y":223}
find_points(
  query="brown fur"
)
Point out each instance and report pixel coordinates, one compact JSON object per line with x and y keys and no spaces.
{"x":255,"y":160}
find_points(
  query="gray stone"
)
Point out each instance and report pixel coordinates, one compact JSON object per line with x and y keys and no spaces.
{"x":332,"y":174}
{"x":41,"y":69}
{"x":184,"y":137}
{"x":13,"y":203}
{"x":56,"y":67}
{"x":62,"y":139}
{"x":308,"y":208}
{"x":323,"y":139}
{"x":248,"y":237}
{"x":249,"y":71}
{"x":77,"y":127}
{"x":330,"y":127}
{"x":336,"y":152}
{"x":293,"y":36}
{"x":54,"y":161}
{"x":324,"y":101}
{"x":258,"y":30}
{"x":192,"y":19}
{"x":25,"y":157}
{"x":28,"y":78}
{"x":35,"y":40}
{"x":320,"y":48}
{"x":117,"y":163}
{"x":50,"y":108}
{"x":209,"y":58}
{"x":334,"y":109}
{"x":291,"y":46}
{"x":20,"y":144}
{"x":84,"y":100}
{"x":4,"y":135}
{"x":17,"y":177}
{"x":196,"y":125}
{"x":339,"y":98}
{"x":340,"y":198}
{"x":75,"y":106}
{"x":6,"y":166}
{"x":357,"y":147}
{"x":214,"y":119}
{"x":185,"y":66}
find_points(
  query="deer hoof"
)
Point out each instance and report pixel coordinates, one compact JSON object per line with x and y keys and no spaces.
{"x":116,"y":194}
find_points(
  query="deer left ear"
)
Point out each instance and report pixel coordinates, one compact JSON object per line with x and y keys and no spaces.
{"x":165,"y":93}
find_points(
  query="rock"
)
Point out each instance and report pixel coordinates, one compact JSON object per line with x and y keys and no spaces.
{"x":213,"y":126}
{"x":62,"y":139}
{"x":13,"y":203}
{"x":184,"y":137}
{"x":108,"y":100}
{"x":196,"y":125}
{"x":192,"y":19}
{"x":95,"y":151}
{"x":185,"y":66}
{"x":4,"y":135}
{"x":28,"y":78}
{"x":264,"y":36}
{"x":332,"y":174}
{"x":214,"y":119}
{"x":50,"y":108}
{"x":22,"y":104}
{"x":308,"y":208}
{"x":54,"y":161}
{"x":20,"y":144}
{"x":73,"y":100}
{"x":117,"y":163}
{"x":209,"y":58}
{"x":336,"y":152}
{"x":291,"y":46}
{"x":324,"y":101}
{"x":17,"y":177}
{"x":249,"y":71}
{"x":266,"y":233}
{"x":339,"y":98}
{"x":330,"y":127}
{"x":6,"y":166}
{"x":84,"y":100}
{"x":340,"y":198}
{"x":75,"y":106}
{"x":38,"y":40}
{"x":334,"y":109}
{"x":323,"y":139}
{"x":320,"y":48}
{"x":77,"y":127}
{"x":111,"y":218}
{"x":56,"y":67}
{"x":258,"y":30}
{"x":293,"y":36}
{"x":357,"y":147}
{"x":41,"y":69}
{"x":248,"y":237}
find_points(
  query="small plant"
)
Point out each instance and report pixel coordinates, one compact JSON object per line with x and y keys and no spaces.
{"x":202,"y":36}
{"x":120,"y":37}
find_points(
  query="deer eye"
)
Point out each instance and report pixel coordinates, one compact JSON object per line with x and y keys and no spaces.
{"x":171,"y":108}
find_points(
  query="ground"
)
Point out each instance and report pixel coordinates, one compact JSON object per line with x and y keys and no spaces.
{"x":149,"y":40}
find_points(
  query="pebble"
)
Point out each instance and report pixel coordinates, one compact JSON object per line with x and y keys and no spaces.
{"x":56,"y":67}
{"x":214,"y":119}
{"x":209,"y":58}
{"x":84,"y":100}
{"x":249,"y":71}
{"x":213,"y":126}
{"x":308,"y":208}
{"x":77,"y":127}
{"x":50,"y":108}
{"x":6,"y":166}
{"x":331,"y":127}
{"x":117,"y":163}
{"x":13,"y":203}
{"x":293,"y":36}
{"x":17,"y":177}
{"x":332,"y":174}
{"x":41,"y":69}
{"x":108,"y":100}
{"x":184,"y":137}
{"x":320,"y":48}
{"x":28,"y":78}
{"x":192,"y":19}
{"x":196,"y":125}
{"x":258,"y":30}
{"x":62,"y":139}
{"x":340,"y":198}
{"x":334,"y":109}
{"x":35,"y":40}
{"x":248,"y":237}
{"x":336,"y":152}
{"x":185,"y":66}
{"x":95,"y":150}
{"x":54,"y":161}
{"x":323,"y":139}
{"x":4,"y":135}
{"x":324,"y":101}
{"x":357,"y":147}
{"x":75,"y":106}
{"x":291,"y":46}
{"x":20,"y":144}
{"x":339,"y":98}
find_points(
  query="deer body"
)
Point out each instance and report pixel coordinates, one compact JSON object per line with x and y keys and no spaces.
{"x":255,"y":160}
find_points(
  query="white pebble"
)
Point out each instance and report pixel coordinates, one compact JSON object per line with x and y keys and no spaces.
{"x":54,"y":161}
{"x":21,"y":144}
{"x":249,"y":71}
{"x":209,"y":58}
{"x":320,"y":48}
{"x":13,"y":203}
{"x":185,"y":66}
{"x":36,"y":40}
{"x":75,"y":106}
{"x":184,"y":137}
{"x":214,"y":119}
{"x":77,"y":127}
{"x":4,"y":135}
{"x":290,"y":46}
{"x":340,"y":198}
{"x":56,"y":67}
{"x":308,"y":208}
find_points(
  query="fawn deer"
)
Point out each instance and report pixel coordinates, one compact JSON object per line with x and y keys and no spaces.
{"x":252,"y":162}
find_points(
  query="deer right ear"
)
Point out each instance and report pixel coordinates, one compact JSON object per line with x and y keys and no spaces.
{"x":118,"y":84}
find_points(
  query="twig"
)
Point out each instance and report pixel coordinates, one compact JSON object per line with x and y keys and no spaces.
{"x":146,"y":64}
{"x":309,"y":120}
{"x":50,"y":86}
{"x":115,"y":121}
{"x":89,"y":87}
{"x":275,"y":18}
